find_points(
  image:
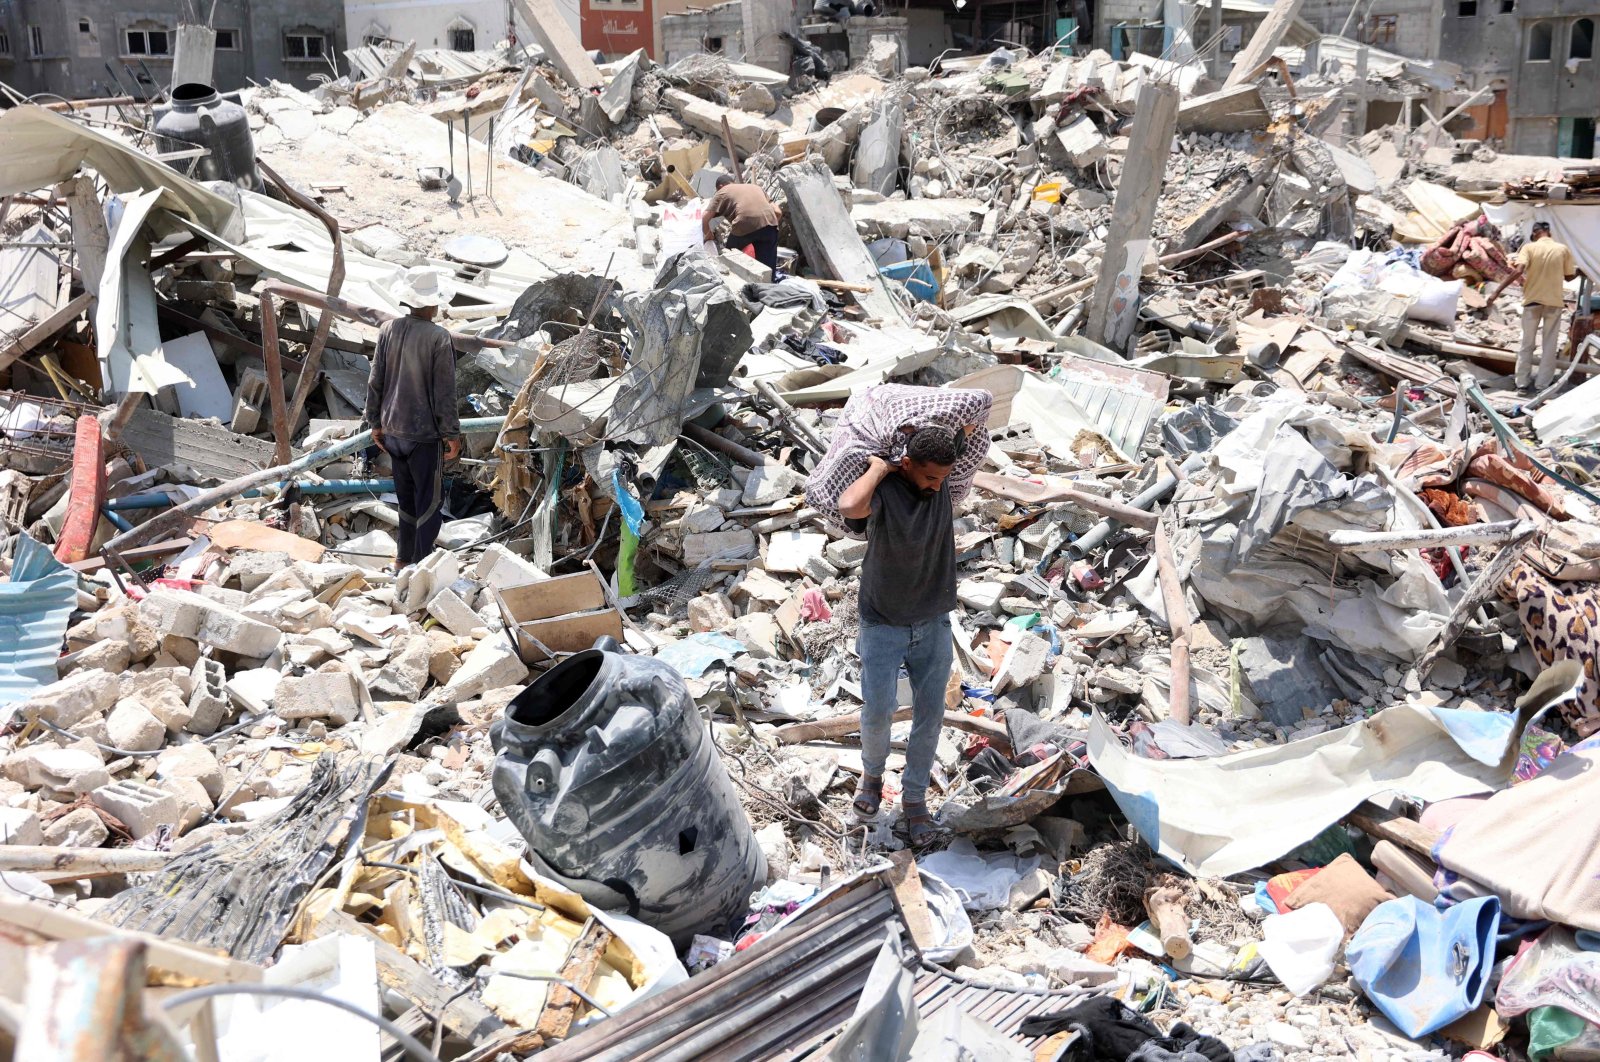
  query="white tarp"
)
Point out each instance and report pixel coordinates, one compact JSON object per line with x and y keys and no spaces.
{"x":1575,"y":224}
{"x":43,"y":147}
{"x":1226,"y":814}
{"x":127,"y":334}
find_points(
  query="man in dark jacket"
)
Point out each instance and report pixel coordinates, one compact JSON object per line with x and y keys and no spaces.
{"x":411,"y":409}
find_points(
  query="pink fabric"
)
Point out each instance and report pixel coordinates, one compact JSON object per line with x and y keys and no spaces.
{"x":814,"y":606}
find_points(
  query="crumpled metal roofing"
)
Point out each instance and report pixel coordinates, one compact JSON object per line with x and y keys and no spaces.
{"x":428,"y":65}
{"x":34,"y":608}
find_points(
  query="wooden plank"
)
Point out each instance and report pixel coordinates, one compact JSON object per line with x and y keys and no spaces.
{"x":566,"y":634}
{"x":185,"y":960}
{"x":844,"y":725}
{"x":1388,"y":826}
{"x":548,"y":598}
{"x":45,"y":329}
{"x":70,"y":864}
{"x":907,"y":884}
{"x":138,"y":553}
{"x":562,"y":1005}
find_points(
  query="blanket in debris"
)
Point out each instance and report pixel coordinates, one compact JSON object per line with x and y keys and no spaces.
{"x":874,"y":423}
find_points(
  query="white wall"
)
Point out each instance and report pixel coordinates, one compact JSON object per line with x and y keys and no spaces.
{"x":427,"y":21}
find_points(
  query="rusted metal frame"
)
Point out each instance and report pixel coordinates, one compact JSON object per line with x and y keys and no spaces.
{"x":274,"y":371}
{"x":319,"y":338}
{"x":193,"y":243}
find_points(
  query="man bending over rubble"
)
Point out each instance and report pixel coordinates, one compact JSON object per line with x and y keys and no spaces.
{"x":752,"y":219}
{"x":411,"y":409}
{"x":900,"y":461}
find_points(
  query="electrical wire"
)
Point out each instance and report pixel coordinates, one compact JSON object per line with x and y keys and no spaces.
{"x":412,"y":1045}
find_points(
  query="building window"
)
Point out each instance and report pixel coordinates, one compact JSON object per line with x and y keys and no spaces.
{"x":147,"y":42}
{"x":463,"y":40}
{"x":1381,"y":29}
{"x":304,"y":45}
{"x":1541,"y":40}
{"x":227,"y":40}
{"x":1507,"y":6}
{"x":5,"y":42}
{"x":85,"y":26}
{"x":1582,"y":46}
{"x":35,"y":41}
{"x":1466,"y":8}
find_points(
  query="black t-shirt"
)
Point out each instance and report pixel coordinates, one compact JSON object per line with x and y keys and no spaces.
{"x":909,"y":574}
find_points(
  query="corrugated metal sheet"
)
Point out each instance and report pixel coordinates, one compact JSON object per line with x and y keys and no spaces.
{"x":34,"y":608}
{"x":793,"y":991}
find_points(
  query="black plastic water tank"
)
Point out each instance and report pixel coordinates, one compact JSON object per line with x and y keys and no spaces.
{"x":199,"y":117}
{"x":608,"y":771}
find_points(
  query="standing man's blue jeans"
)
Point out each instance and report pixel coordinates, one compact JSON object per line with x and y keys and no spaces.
{"x":926,"y":652}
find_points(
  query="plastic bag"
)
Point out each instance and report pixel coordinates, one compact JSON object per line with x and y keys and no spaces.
{"x":1300,"y":947}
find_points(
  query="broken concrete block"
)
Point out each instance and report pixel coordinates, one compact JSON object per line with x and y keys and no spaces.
{"x":254,"y":689}
{"x":416,"y":585}
{"x":980,"y":594}
{"x":444,"y":659}
{"x":167,"y":702}
{"x":769,"y":484}
{"x":192,"y":800}
{"x":700,"y":519}
{"x":208,"y":701}
{"x":70,"y":771}
{"x":819,"y":570}
{"x":846,"y":552}
{"x":133,"y":728}
{"x":111,"y":655}
{"x":249,"y":569}
{"x":1023,"y":663}
{"x":20,"y":826}
{"x":455,"y":614}
{"x":698,"y":549}
{"x":756,"y":585}
{"x":193,"y":760}
{"x":185,"y":615}
{"x":492,"y":664}
{"x":78,"y":828}
{"x":710,"y":612}
{"x":499,"y":567}
{"x":405,"y":676}
{"x":743,"y":269}
{"x":140,"y":807}
{"x":137,"y":683}
{"x":116,"y":623}
{"x":1082,"y":141}
{"x":329,"y":695}
{"x":791,"y":551}
{"x":73,"y":699}
{"x":1229,"y":110}
{"x":759,"y":632}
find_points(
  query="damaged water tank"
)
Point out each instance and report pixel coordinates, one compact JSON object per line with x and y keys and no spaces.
{"x":199,"y":117}
{"x":608,"y":772}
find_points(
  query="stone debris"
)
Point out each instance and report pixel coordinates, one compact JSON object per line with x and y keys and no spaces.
{"x":1259,"y":485}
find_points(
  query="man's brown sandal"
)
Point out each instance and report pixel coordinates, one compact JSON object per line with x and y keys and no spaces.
{"x":869,"y":797}
{"x":919,"y":824}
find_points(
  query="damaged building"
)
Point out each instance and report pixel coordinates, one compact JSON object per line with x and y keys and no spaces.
{"x":1241,"y":383}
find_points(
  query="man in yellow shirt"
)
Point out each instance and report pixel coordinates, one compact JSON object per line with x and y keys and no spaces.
{"x":1544,"y":266}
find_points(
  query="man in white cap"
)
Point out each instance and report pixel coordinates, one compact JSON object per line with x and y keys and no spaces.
{"x":411,"y":409}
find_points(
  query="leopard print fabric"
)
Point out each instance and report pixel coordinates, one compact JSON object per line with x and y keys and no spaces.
{"x":1561,"y":622}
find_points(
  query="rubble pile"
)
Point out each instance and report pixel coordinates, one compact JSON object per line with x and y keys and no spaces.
{"x":1270,"y":727}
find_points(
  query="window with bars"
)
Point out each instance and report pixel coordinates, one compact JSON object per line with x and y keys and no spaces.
{"x":147,"y":42}
{"x":304,"y":45}
{"x":463,"y":39}
{"x":35,"y":41}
